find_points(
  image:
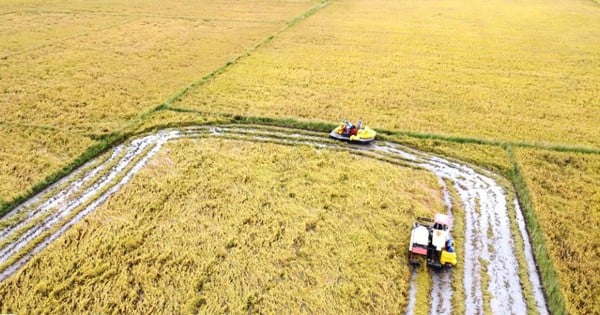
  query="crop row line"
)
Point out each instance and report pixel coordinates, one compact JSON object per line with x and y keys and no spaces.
{"x":91,"y":152}
{"x":40,"y":233}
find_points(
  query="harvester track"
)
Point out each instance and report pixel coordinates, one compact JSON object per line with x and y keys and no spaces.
{"x":489,"y":246}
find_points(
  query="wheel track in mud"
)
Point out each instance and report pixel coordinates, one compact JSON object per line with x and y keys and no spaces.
{"x":483,"y":200}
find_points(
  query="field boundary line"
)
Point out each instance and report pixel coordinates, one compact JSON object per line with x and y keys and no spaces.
{"x":544,"y":264}
{"x":66,"y":38}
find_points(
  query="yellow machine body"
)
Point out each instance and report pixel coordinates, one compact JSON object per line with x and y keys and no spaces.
{"x":448,"y":258}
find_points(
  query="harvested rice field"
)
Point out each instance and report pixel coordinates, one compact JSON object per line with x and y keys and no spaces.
{"x":474,"y":196}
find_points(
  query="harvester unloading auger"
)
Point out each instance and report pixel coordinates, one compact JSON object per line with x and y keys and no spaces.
{"x":430,"y":239}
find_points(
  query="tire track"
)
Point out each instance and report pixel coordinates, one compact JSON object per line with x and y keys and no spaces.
{"x":58,"y":199}
{"x":488,"y":238}
{"x":441,"y":290}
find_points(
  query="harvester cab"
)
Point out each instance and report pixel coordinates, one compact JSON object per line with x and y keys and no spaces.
{"x":431,"y":239}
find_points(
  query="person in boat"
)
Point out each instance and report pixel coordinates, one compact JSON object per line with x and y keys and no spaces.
{"x":450,"y":246}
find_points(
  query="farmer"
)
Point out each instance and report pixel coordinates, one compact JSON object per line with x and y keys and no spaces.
{"x":449,"y":246}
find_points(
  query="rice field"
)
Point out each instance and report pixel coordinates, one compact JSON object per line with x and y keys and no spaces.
{"x":565,"y":189}
{"x":78,"y":77}
{"x":227,"y":226}
{"x":73,"y":73}
{"x":97,"y":84}
{"x":492,"y":70}
{"x":28,"y":153}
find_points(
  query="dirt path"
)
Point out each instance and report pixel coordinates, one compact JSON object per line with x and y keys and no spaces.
{"x":489,"y":248}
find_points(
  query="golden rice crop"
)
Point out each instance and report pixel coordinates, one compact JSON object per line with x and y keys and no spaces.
{"x":97,"y":81}
{"x":92,"y":68}
{"x":229,"y":226}
{"x":564,"y":191}
{"x":250,"y":10}
{"x":29,"y":154}
{"x":423,"y":297}
{"x":22,"y":31}
{"x":495,"y":70}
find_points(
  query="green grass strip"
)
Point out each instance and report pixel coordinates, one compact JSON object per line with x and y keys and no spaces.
{"x":554,"y":297}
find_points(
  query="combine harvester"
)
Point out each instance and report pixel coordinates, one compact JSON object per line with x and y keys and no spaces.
{"x":431,"y":239}
{"x":346,"y":131}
